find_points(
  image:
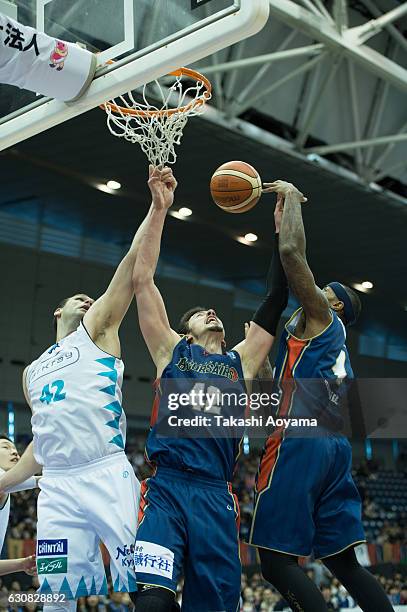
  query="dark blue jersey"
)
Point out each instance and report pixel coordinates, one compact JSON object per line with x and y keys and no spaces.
{"x":312,"y":373}
{"x":211,"y":449}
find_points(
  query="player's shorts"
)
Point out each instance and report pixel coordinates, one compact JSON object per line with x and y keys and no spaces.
{"x":189,"y":526}
{"x":306,"y":498}
{"x":77,"y":509}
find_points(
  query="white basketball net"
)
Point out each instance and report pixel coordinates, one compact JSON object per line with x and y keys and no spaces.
{"x":158,"y":128}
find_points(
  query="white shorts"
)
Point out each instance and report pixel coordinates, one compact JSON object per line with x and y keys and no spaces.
{"x":77,"y":509}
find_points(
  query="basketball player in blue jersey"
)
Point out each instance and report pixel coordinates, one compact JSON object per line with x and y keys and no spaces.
{"x":188,"y":513}
{"x":306,"y":501}
{"x":89,"y":492}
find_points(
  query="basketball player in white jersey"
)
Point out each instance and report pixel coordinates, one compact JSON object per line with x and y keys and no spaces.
{"x":8,"y":458}
{"x":89,"y":492}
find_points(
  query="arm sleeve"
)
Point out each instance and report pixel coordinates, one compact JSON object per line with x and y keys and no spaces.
{"x":269,"y":312}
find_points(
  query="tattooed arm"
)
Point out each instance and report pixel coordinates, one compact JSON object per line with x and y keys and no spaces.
{"x":293,"y":259}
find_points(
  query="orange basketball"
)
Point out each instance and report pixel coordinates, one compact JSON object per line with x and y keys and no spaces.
{"x":236,"y":187}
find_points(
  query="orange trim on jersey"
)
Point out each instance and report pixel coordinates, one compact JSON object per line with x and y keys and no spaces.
{"x":268,"y":461}
{"x":295,"y":348}
{"x":143,"y":501}
{"x":156,"y":403}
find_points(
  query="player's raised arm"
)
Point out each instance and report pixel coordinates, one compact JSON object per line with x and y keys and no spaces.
{"x":293,"y":258}
{"x":154,"y":324}
{"x":260,"y":336}
{"x":21,"y":472}
{"x":103,"y":320}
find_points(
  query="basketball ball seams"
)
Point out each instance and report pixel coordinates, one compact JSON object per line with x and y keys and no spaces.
{"x":240,"y":167}
{"x":236,"y":187}
{"x":254,"y":181}
{"x":238,"y":207}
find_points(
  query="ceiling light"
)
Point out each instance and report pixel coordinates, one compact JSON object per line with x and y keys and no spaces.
{"x":243,"y":240}
{"x":103,"y":187}
{"x":363,"y":287}
{"x":185,"y":212}
{"x":250,"y":237}
{"x":113,"y":184}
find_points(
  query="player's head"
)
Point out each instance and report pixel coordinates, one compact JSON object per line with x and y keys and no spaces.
{"x":198,"y":321}
{"x":344,"y":301}
{"x":71,"y":310}
{"x":8,"y":453}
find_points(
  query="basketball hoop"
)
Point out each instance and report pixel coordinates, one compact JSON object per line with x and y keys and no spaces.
{"x":157,"y":128}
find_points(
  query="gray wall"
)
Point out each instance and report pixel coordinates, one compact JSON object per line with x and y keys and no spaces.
{"x":33,"y":282}
{"x":31,"y":285}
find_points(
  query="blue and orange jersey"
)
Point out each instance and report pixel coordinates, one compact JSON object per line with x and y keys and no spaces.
{"x":207,"y":451}
{"x":311,"y":375}
{"x":322,"y":356}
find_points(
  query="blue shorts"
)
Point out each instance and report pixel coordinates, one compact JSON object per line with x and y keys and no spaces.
{"x":188,"y":526}
{"x":306,"y":501}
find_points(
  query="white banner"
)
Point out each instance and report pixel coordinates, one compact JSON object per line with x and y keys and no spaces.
{"x":395,"y":608}
{"x":33,"y":60}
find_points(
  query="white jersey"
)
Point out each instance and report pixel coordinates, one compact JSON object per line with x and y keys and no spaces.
{"x":75,"y":395}
{"x":4,"y":517}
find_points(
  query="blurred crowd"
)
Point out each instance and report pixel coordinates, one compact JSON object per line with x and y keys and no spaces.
{"x":257,"y":595}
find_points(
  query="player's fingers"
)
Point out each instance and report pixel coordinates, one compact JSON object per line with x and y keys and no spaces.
{"x":157,"y":171}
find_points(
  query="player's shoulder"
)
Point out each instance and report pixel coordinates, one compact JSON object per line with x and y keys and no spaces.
{"x":338,"y":326}
{"x":234,"y":355}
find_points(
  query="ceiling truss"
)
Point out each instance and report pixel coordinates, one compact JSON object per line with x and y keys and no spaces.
{"x":334,"y":45}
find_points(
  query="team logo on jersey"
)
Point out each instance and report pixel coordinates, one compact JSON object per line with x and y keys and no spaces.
{"x":53,"y":565}
{"x":152,"y":558}
{"x":59,"y":360}
{"x":208,"y":367}
{"x":52,"y":556}
{"x":125,"y":555}
{"x":51,"y":548}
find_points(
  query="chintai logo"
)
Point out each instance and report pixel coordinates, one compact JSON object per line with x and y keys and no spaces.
{"x":53,"y":565}
{"x":52,"y":548}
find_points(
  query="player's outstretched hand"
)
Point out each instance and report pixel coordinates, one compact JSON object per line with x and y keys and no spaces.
{"x":29,"y":565}
{"x":162,"y":184}
{"x":284,"y":188}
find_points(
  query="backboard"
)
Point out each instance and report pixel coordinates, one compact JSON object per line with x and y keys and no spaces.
{"x":145,"y":38}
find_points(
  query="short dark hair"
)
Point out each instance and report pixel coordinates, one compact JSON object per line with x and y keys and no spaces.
{"x":4,"y":437}
{"x":183,"y":325}
{"x":355,"y":299}
{"x":60,"y":305}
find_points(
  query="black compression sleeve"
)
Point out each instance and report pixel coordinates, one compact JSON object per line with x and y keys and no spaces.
{"x":269,"y":312}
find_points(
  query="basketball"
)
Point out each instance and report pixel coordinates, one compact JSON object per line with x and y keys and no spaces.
{"x":236,"y":187}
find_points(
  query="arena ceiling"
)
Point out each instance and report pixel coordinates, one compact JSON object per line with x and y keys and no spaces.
{"x":354,"y":233}
{"x":286,"y":114}
{"x":330,"y":78}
